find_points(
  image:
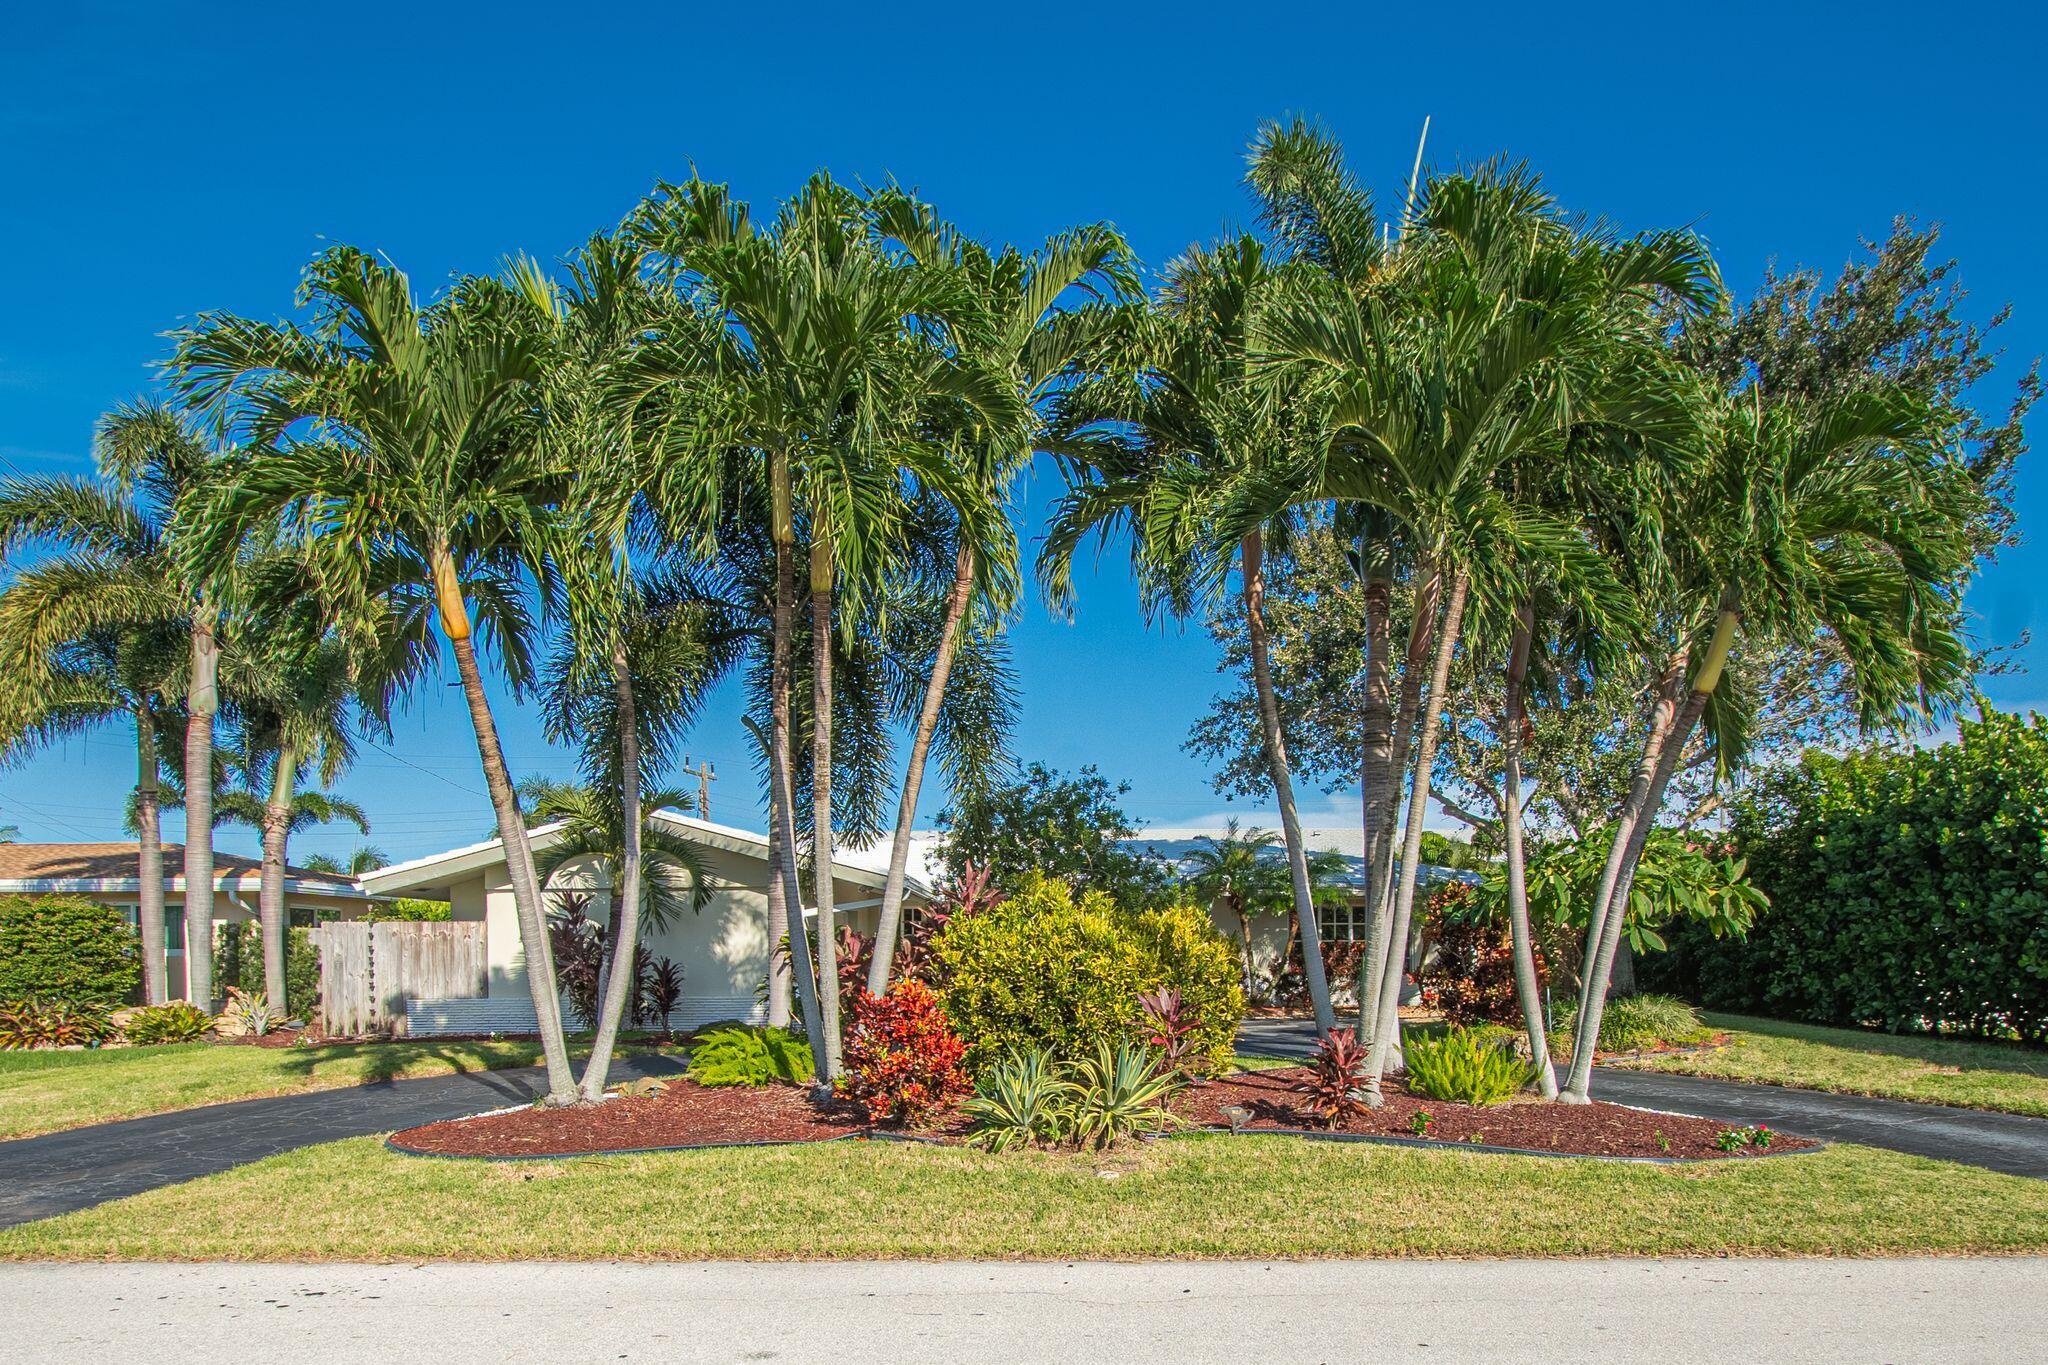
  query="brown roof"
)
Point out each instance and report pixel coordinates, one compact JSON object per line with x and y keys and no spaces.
{"x":110,"y":861}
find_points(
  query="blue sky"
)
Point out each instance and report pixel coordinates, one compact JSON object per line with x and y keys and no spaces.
{"x":161,"y":159}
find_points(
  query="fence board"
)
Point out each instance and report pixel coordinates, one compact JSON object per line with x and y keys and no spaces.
{"x":368,"y":970}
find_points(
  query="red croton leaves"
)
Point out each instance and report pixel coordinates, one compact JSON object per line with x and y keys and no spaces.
{"x":902,"y":1058}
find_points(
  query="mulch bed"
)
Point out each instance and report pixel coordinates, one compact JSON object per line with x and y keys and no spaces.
{"x":685,"y":1114}
{"x":1596,"y":1129}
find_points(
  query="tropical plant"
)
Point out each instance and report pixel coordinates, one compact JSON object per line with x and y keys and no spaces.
{"x":1470,"y":975}
{"x":1233,"y":871}
{"x":247,"y":1015}
{"x":1045,"y":824}
{"x":68,"y":950}
{"x":1169,"y":1030}
{"x":179,"y":1021}
{"x":661,"y":991}
{"x":1020,"y":1101}
{"x":1461,"y":1068}
{"x":398,"y":444}
{"x":1336,"y":1071}
{"x":26,"y":1024}
{"x":743,"y":1054}
{"x":1118,"y":1094}
{"x":902,"y":1058}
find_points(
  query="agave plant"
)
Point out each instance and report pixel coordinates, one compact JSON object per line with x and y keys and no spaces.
{"x":248,"y":1014}
{"x":1119,"y":1094}
{"x":1021,"y":1101}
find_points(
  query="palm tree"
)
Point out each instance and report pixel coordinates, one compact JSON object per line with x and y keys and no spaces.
{"x":366,"y":858}
{"x":1011,"y":329}
{"x":835,"y":377}
{"x":407,"y":434}
{"x":1843,"y":520}
{"x":95,"y":630}
{"x":1489,"y":344}
{"x":1235,"y":872}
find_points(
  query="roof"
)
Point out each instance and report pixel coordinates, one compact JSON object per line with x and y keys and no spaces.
{"x":863,"y":866}
{"x":112,"y":867}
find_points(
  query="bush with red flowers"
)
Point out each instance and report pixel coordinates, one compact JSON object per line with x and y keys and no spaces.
{"x":902,"y":1058}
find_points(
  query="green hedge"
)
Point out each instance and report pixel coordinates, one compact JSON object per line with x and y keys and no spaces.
{"x":238,"y":961}
{"x":1047,"y":969}
{"x":1908,"y":887}
{"x":68,"y":949}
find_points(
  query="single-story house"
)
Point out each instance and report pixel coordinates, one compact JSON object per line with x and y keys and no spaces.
{"x":1344,"y":922}
{"x":723,"y":948}
{"x":110,"y":874}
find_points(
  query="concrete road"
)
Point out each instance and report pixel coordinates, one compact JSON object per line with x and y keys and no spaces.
{"x":1504,"y":1312}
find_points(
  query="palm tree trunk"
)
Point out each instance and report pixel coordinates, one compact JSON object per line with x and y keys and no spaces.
{"x":149,"y":817}
{"x":533,"y":929}
{"x":782,"y":800}
{"x":785,"y":904}
{"x":1253,"y":551}
{"x":1614,"y":915}
{"x":270,"y":918}
{"x":821,"y":796}
{"x":625,"y":917}
{"x":778,"y":922}
{"x":1388,"y":1027}
{"x":1385,"y":798}
{"x":1526,"y":988}
{"x":890,"y":921}
{"x":1376,"y":718}
{"x":202,"y":701}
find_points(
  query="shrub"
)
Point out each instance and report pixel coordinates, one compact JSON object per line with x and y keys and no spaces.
{"x":902,"y":1060}
{"x":745,"y":1054}
{"x":26,"y":1024}
{"x":67,"y":949}
{"x":1167,"y":1029}
{"x":1340,"y":969}
{"x":1117,"y":1095}
{"x":1045,"y":968}
{"x":1019,"y":1102}
{"x":1460,"y":1069}
{"x":238,"y":963}
{"x":1635,"y":1023}
{"x":1471,"y":974}
{"x":180,"y":1021}
{"x":1906,"y":890}
{"x":660,"y":991}
{"x":578,"y":947}
{"x":247,"y":1014}
{"x":1335,"y":1069}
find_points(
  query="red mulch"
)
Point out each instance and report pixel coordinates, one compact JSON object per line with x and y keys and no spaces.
{"x":1585,"y":1130}
{"x":688,"y":1114}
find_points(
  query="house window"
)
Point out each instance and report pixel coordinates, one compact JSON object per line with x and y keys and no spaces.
{"x":303,"y":917}
{"x":1344,"y":923}
{"x":174,"y":924}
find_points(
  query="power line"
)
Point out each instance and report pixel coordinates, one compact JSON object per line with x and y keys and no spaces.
{"x":438,"y":777}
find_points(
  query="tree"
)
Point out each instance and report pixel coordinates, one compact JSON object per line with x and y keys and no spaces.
{"x":392,"y":429}
{"x":366,"y":858}
{"x":1235,"y":871}
{"x":99,"y":626}
{"x":1072,"y":829}
{"x":1011,"y":329}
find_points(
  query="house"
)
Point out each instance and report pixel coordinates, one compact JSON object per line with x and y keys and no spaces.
{"x":110,"y":874}
{"x":723,"y":948}
{"x":1343,"y":921}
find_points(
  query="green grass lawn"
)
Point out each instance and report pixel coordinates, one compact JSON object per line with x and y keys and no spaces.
{"x":41,"y":1092}
{"x":1206,"y":1196}
{"x":1973,"y":1075}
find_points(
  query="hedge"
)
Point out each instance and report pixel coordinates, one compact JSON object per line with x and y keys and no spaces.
{"x":68,"y":949}
{"x":238,"y":962}
{"x":1909,"y":890}
{"x":1046,"y":968}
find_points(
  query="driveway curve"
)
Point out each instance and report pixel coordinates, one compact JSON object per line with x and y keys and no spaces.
{"x":2011,"y":1143}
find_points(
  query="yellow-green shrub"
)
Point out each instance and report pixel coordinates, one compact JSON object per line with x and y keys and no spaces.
{"x":1045,"y":969}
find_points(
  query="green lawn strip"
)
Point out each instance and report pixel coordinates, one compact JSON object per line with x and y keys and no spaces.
{"x":1205,"y":1196}
{"x":42,"y":1092}
{"x":1971,"y":1075}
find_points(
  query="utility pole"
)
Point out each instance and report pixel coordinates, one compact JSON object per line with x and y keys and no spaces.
{"x":705,"y":777}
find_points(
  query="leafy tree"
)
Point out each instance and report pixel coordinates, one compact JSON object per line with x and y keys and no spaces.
{"x":1070,"y":829}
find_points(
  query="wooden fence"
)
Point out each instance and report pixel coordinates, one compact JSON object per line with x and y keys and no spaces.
{"x":368,"y":970}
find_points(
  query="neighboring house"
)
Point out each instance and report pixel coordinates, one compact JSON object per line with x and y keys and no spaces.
{"x":1345,"y":923}
{"x":723,"y":948}
{"x":108,"y":873}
